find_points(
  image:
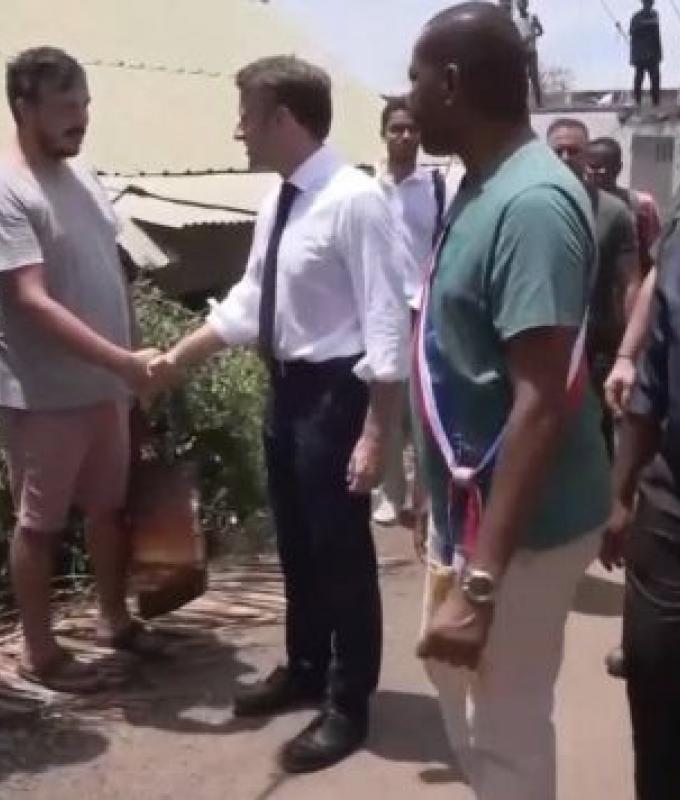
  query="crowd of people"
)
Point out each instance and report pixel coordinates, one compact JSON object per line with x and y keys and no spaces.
{"x":532,"y":320}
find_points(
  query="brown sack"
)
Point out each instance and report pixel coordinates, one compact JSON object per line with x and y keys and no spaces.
{"x":168,"y":549}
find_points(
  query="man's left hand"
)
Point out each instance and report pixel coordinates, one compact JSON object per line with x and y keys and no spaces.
{"x":364,"y":470}
{"x":457,"y":632}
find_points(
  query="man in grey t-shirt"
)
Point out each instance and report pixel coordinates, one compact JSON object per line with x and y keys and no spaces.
{"x":66,"y":369}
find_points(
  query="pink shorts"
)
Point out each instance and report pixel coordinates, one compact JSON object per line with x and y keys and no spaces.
{"x":61,"y":459}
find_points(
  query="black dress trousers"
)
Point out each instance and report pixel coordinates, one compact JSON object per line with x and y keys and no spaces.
{"x":314,"y":418}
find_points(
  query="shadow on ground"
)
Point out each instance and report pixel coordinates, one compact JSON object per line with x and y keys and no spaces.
{"x":408,"y":727}
{"x":47,"y":743}
{"x":599,"y":597}
{"x":192,"y":692}
{"x":189,"y":691}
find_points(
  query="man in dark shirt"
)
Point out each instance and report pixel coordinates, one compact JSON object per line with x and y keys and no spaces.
{"x":618,"y":275}
{"x":605,"y":162}
{"x":646,"y":519}
{"x":645,"y":50}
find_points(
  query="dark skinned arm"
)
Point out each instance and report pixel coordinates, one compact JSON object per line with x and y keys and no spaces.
{"x":538,"y":363}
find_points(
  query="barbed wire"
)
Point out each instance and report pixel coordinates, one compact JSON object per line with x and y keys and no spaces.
{"x":145,"y":66}
{"x":169,"y":173}
{"x":142,"y":66}
{"x":617,"y":23}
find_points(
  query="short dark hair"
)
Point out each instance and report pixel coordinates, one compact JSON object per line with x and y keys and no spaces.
{"x":32,"y":70}
{"x":568,"y":122}
{"x":303,"y":88}
{"x":611,"y":147}
{"x":393,"y":104}
{"x":484,"y":43}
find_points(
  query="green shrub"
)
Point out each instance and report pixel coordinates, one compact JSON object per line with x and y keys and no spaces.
{"x":214,"y":419}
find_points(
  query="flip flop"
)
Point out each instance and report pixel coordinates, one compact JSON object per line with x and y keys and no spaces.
{"x":65,"y":673}
{"x":138,"y":640}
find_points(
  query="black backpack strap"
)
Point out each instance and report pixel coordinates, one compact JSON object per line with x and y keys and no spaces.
{"x":439,"y":185}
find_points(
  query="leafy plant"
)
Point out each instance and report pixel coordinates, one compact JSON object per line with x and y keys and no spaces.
{"x":214,"y":419}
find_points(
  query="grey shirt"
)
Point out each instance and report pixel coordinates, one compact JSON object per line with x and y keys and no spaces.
{"x":59,"y":217}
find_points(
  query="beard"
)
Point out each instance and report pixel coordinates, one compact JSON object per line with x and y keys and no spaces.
{"x":65,"y":145}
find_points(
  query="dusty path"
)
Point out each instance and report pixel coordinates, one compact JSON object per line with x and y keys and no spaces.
{"x":172,"y":735}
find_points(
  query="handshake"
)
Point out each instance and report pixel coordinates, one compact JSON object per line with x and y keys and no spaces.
{"x":149,"y":371}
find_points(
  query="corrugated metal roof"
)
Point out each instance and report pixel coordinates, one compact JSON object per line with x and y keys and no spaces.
{"x":142,"y":249}
{"x":166,"y":114}
{"x":179,"y":201}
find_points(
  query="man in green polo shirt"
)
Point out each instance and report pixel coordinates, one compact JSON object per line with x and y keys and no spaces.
{"x":502,"y":416}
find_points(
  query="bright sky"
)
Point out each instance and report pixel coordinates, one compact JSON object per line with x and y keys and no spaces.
{"x":373,"y":38}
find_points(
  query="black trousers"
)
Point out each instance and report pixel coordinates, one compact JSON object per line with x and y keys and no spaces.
{"x":654,"y":79}
{"x":651,"y":641}
{"x":333,"y":613}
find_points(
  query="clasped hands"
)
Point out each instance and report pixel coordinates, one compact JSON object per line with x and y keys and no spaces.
{"x":149,"y":371}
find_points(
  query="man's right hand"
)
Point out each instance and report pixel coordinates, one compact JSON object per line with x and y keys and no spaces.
{"x":615,"y":534}
{"x":619,"y":384}
{"x":163,"y":372}
{"x":134,"y":368}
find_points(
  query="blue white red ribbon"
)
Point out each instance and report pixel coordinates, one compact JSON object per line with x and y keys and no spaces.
{"x":464,"y":489}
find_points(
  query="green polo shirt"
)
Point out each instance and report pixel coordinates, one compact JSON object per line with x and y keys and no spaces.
{"x":519,"y":255}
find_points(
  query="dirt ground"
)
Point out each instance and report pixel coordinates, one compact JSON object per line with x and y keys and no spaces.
{"x":170,"y":732}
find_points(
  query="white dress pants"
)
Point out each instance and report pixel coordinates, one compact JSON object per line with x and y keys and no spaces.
{"x":499,"y":718}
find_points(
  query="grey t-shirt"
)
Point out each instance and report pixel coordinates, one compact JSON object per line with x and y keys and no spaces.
{"x":61,"y":217}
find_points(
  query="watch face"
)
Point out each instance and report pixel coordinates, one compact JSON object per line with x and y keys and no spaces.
{"x":479,"y":588}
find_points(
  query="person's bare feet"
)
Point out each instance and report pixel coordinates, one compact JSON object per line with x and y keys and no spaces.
{"x":63,"y":672}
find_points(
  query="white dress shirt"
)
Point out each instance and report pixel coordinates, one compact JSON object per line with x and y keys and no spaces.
{"x":414,"y":206}
{"x":338,"y":292}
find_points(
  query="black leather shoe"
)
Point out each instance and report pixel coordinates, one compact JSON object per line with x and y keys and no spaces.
{"x":615,"y":662}
{"x":280,"y":691}
{"x":329,"y":738}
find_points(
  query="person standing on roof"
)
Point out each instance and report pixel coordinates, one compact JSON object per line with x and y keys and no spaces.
{"x":645,"y":50}
{"x":530,"y":28}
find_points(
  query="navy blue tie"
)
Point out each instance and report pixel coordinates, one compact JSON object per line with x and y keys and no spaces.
{"x":265,"y":338}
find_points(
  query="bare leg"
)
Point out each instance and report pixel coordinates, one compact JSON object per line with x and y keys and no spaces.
{"x":31,"y":564}
{"x":107,"y":547}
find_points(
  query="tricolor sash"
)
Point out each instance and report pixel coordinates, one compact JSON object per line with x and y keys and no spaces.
{"x":433,"y":399}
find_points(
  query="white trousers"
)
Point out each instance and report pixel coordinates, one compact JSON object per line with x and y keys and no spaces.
{"x":499,"y":718}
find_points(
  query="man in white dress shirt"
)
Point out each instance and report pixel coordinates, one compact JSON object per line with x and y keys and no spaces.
{"x":417,"y":196}
{"x":322,"y":300}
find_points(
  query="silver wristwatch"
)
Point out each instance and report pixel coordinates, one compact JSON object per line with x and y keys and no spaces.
{"x":478,"y":586}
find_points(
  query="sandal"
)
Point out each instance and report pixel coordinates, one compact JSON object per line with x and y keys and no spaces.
{"x":65,"y":673}
{"x":136,"y":639}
